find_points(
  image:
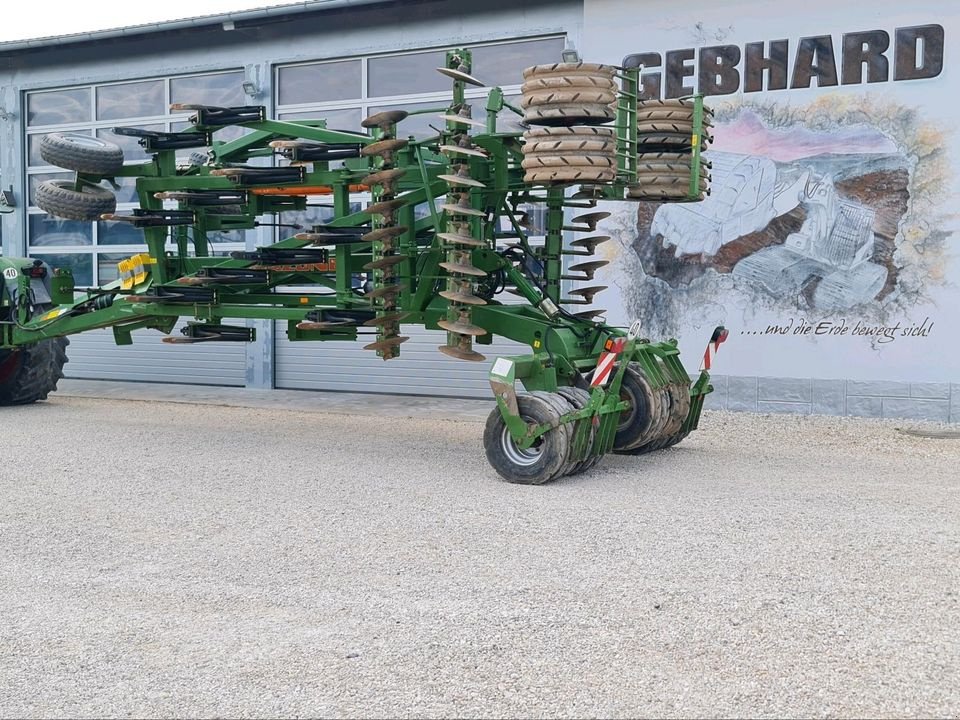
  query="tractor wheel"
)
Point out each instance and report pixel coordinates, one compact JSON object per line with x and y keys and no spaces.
{"x":30,"y":373}
{"x":81,"y":153}
{"x":578,"y":398}
{"x":60,"y":199}
{"x":539,"y":463}
{"x":640,"y":420}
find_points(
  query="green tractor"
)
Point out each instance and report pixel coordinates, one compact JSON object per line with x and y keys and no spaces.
{"x":445,"y":231}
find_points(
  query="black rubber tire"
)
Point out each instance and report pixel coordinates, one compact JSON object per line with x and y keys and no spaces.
{"x":30,"y":373}
{"x":658,"y":436}
{"x":562,"y":406}
{"x":81,"y":153}
{"x":639,"y":421}
{"x":60,"y":199}
{"x":553,"y":446}
{"x":578,"y":398}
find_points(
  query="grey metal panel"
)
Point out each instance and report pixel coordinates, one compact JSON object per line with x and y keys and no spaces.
{"x":420,"y":370}
{"x":94,"y":356}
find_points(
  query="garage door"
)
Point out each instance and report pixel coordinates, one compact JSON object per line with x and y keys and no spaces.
{"x":94,"y":356}
{"x":420,"y":370}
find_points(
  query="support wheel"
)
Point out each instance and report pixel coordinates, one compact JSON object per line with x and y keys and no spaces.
{"x":579,"y":398}
{"x":539,"y":463}
{"x":30,"y":373}
{"x":81,"y":153}
{"x":640,"y":421}
{"x":61,"y":199}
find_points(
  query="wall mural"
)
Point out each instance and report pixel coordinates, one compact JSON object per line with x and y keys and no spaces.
{"x":824,"y":213}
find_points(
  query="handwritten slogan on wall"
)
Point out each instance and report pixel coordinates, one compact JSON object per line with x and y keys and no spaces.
{"x":880,"y":333}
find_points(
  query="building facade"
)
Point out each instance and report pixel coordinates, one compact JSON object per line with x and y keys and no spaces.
{"x":827,"y":246}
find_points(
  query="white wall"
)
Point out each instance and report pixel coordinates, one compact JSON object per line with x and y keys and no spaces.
{"x":892,"y":162}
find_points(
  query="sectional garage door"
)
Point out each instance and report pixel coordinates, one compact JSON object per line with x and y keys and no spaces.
{"x":94,"y":356}
{"x":420,"y":370}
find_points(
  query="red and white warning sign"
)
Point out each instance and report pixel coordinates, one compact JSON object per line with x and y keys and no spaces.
{"x":606,"y":362}
{"x":719,"y":336}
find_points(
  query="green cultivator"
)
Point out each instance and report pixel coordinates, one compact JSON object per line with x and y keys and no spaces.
{"x":446,"y":230}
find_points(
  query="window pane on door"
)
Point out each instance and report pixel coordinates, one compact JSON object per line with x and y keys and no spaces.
{"x":59,"y":107}
{"x":504,"y":64}
{"x":407,"y":74}
{"x":319,"y":82}
{"x":130,"y":100}
{"x":222,"y":89}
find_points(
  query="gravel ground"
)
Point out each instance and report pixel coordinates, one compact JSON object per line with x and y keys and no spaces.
{"x":187,"y":560}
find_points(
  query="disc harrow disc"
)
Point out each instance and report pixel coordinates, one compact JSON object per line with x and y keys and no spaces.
{"x":459,"y":209}
{"x":463,"y":269}
{"x":384,"y":120}
{"x":383,"y":147}
{"x":383,"y":233}
{"x":461,"y":150}
{"x":460,"y":353}
{"x":463,"y":120}
{"x":462,"y":180}
{"x":385,"y":262}
{"x":591,"y":219}
{"x":386,"y":343}
{"x":462,"y":297}
{"x":462,"y":328}
{"x":386,"y":291}
{"x":388,"y":319}
{"x":588,"y":293}
{"x":461,"y":239}
{"x":460,"y":75}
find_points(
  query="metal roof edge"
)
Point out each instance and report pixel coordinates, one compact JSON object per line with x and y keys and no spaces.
{"x":297,"y":8}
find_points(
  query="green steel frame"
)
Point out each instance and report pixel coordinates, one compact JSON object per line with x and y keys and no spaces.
{"x":564,"y":347}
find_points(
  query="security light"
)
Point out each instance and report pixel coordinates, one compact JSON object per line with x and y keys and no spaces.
{"x":570,"y":55}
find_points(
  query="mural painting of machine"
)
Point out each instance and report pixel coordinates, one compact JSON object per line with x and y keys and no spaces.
{"x":830,"y":256}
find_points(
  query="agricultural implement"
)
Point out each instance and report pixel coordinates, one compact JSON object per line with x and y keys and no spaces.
{"x":446,"y":240}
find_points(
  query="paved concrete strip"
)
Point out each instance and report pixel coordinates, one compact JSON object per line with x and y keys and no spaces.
{"x":176,"y":560}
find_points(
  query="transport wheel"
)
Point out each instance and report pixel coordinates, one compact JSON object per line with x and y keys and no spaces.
{"x":81,"y":153}
{"x":30,"y":373}
{"x":640,"y":420}
{"x":60,"y":199}
{"x":578,"y":398}
{"x":539,"y":463}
